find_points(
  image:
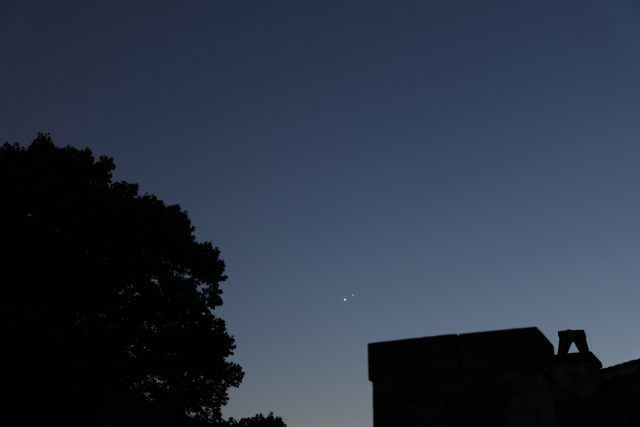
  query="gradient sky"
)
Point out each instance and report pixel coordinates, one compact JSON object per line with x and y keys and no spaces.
{"x":456,"y":165}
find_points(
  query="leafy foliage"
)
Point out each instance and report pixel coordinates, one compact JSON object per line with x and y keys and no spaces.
{"x":257,"y":421}
{"x":105,"y":289}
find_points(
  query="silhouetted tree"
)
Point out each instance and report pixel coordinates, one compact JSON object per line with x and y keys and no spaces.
{"x":105,"y":292}
{"x":257,"y":421}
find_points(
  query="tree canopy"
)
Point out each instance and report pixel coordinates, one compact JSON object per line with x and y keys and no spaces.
{"x":105,"y":292}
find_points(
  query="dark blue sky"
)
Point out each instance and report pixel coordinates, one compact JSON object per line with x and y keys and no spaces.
{"x":455,"y":165}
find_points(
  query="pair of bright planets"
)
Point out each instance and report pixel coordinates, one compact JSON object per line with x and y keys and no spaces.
{"x":346,"y":299}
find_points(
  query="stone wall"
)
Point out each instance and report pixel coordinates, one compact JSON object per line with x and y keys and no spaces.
{"x":499,"y":378}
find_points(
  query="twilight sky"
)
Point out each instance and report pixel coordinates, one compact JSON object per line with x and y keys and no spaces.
{"x":455,"y":165}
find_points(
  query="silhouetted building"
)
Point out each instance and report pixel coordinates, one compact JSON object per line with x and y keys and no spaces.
{"x":507,"y":378}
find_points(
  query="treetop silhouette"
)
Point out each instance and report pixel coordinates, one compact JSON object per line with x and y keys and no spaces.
{"x":105,"y":290}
